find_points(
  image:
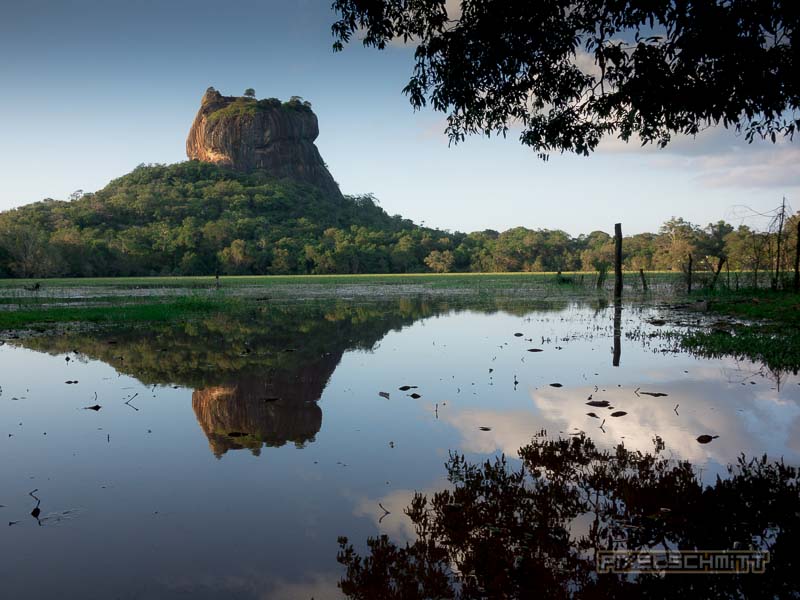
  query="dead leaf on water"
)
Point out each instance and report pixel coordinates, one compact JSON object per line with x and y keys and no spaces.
{"x":705,"y":438}
{"x":598,"y":403}
{"x":619,"y":413}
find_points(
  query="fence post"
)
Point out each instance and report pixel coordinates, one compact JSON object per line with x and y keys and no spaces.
{"x":797,"y":260}
{"x":644,"y":281}
{"x":618,"y":260}
{"x":689,"y":277}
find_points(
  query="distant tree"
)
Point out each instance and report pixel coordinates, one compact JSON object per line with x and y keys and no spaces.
{"x":76,"y":195}
{"x":569,"y":73}
{"x":440,"y":262}
{"x":249,"y":93}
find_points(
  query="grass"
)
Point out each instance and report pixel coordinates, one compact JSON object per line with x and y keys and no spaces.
{"x":177,"y":309}
{"x":250,"y":106}
{"x":434,"y":279}
{"x":768,"y":333}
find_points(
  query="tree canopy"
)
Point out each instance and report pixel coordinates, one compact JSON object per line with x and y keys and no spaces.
{"x":571,"y":72}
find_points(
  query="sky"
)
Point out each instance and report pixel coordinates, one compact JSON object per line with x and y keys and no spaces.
{"x":92,"y":88}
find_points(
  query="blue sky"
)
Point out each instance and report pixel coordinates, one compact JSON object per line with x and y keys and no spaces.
{"x":92,"y":88}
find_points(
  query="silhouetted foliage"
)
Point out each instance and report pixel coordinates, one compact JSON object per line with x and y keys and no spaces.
{"x":533,"y":532}
{"x":571,"y":72}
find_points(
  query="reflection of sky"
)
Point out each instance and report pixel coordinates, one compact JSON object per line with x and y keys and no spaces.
{"x":156,"y":511}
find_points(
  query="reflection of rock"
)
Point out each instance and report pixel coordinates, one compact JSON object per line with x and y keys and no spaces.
{"x":270,"y":411}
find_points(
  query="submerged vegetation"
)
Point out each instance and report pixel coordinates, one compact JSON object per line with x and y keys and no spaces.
{"x":764,"y":327}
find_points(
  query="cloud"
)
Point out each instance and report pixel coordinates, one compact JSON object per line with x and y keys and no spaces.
{"x":720,"y":158}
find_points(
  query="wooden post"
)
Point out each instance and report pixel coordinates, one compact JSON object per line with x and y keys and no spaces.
{"x":618,"y":260}
{"x":644,"y":281}
{"x":617,"y":331}
{"x":721,"y":262}
{"x":797,"y":260}
{"x":689,"y":276}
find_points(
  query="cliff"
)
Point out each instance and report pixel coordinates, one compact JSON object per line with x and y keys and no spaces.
{"x":246,"y":134}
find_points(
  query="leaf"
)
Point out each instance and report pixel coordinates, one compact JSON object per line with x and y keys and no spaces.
{"x":535,"y":350}
{"x":517,"y":335}
{"x":485,"y":428}
{"x":598,"y":403}
{"x":705,"y":438}
{"x":95,"y":408}
{"x":619,"y":413}
{"x":556,"y":385}
{"x":384,"y":395}
{"x":654,"y":394}
{"x":405,"y":388}
{"x":415,"y":395}
{"x":591,"y":414}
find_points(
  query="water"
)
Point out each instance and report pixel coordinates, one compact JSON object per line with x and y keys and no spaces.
{"x":229,"y":453}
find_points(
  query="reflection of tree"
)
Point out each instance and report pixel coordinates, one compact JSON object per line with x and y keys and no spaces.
{"x":534,"y":532}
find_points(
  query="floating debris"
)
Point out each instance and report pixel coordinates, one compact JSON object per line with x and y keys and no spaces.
{"x":619,"y":413}
{"x":556,"y":385}
{"x":517,"y":335}
{"x":405,"y":388}
{"x":598,"y":403}
{"x":384,"y":395}
{"x":593,"y":415}
{"x":535,"y":350}
{"x":95,"y":407}
{"x":485,"y":428}
{"x":415,"y":395}
{"x":70,"y":382}
{"x":705,"y":438}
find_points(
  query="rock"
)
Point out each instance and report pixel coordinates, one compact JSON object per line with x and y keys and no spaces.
{"x":246,"y":135}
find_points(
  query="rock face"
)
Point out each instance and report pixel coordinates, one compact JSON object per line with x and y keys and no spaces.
{"x":247,"y":134}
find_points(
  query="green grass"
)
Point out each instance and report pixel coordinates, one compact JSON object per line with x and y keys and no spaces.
{"x":434,"y":279}
{"x":250,"y":106}
{"x":180,"y":308}
{"x":770,"y":333}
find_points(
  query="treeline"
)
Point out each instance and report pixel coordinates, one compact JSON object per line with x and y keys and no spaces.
{"x":194,"y":218}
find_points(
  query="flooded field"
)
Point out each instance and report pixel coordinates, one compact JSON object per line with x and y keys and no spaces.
{"x":224,"y":455}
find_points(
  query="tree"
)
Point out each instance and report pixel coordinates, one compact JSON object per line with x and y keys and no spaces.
{"x":570,"y":73}
{"x":249,"y":93}
{"x":440,"y":262}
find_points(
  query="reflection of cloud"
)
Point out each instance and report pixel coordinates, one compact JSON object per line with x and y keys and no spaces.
{"x":396,"y":525}
{"x":509,"y":430}
{"x":747,"y":422}
{"x":321,"y":587}
{"x":252,"y":586}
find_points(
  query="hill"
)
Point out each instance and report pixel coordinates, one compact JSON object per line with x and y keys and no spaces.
{"x":197,"y":218}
